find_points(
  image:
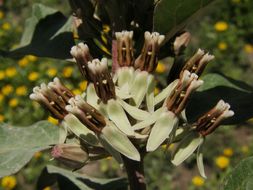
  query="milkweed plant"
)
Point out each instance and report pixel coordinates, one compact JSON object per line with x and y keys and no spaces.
{"x":119,"y":114}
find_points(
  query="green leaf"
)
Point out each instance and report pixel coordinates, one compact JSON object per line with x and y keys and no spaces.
{"x":71,"y":180}
{"x":241,"y":176}
{"x":18,"y":144}
{"x":238,"y":94}
{"x":171,"y":16}
{"x":48,"y":33}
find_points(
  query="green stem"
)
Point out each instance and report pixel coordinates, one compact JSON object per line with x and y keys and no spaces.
{"x":135,"y":173}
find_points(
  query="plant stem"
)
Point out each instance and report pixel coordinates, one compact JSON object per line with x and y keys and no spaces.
{"x":135,"y":173}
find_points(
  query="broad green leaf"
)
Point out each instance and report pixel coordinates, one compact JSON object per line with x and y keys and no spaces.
{"x":119,"y":142}
{"x":161,"y":130}
{"x":48,"y":33}
{"x":72,"y":180}
{"x":171,"y":16}
{"x":212,"y":80}
{"x":241,"y":176}
{"x":186,"y":148}
{"x":18,"y":144}
{"x":238,"y":94}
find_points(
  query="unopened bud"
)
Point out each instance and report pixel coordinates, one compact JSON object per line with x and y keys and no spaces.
{"x":102,"y":79}
{"x":148,"y":59}
{"x":82,"y":56}
{"x":125,"y":54}
{"x":181,"y":42}
{"x":187,"y":84}
{"x":54,"y":97}
{"x":87,"y":114}
{"x":212,"y":119}
{"x":197,"y":63}
{"x":71,"y":155}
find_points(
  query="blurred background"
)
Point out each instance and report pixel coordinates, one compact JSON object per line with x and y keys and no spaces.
{"x":226,"y":31}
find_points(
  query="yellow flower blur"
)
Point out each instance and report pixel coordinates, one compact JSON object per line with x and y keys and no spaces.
{"x":221,"y":26}
{"x":47,"y":188}
{"x":10,"y":72}
{"x":1,"y":14}
{"x":9,"y":182}
{"x":77,"y":91}
{"x":198,"y":181}
{"x":37,"y":155}
{"x":52,"y":120}
{"x":31,"y":58}
{"x":13,"y":102}
{"x":51,"y":72}
{"x":1,"y":118}
{"x":6,"y":26}
{"x":157,"y":90}
{"x":248,"y":48}
{"x":21,"y":90}
{"x":33,"y":76}
{"x":7,"y":89}
{"x":160,"y":68}
{"x":2,"y":75}
{"x":1,"y":97}
{"x":228,"y":152}
{"x":23,"y":62}
{"x":83,"y":85}
{"x":222,"y":46}
{"x":222,"y":162}
{"x":245,"y":149}
{"x":67,"y":72}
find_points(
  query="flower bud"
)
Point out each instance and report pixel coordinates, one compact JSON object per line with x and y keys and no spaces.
{"x":181,"y":42}
{"x":82,"y":56}
{"x":187,"y":84}
{"x":212,"y":119}
{"x":148,"y":59}
{"x":54,"y":97}
{"x":102,"y":79}
{"x":197,"y":63}
{"x":87,"y":114}
{"x":71,"y":155}
{"x":125,"y":54}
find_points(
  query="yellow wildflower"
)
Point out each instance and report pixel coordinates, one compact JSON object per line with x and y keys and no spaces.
{"x":1,"y":14}
{"x":23,"y":62}
{"x":2,"y":75}
{"x":228,"y":152}
{"x":1,"y":97}
{"x":245,"y":149}
{"x":221,"y":26}
{"x":51,"y":72}
{"x":31,"y":58}
{"x":160,"y":68}
{"x":248,"y":48}
{"x":47,"y":188}
{"x":9,"y":182}
{"x":7,"y":89}
{"x":67,"y":72}
{"x":198,"y":181}
{"x":106,"y":28}
{"x":37,"y":155}
{"x":52,"y":120}
{"x":10,"y":72}
{"x":13,"y":102}
{"x":222,"y":46}
{"x":6,"y":26}
{"x":83,"y":85}
{"x":77,"y":91}
{"x":157,"y":90}
{"x":222,"y":162}
{"x":21,"y":90}
{"x":1,"y":118}
{"x":33,"y":76}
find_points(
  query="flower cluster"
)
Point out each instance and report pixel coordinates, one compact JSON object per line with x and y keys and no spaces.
{"x":120,"y":115}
